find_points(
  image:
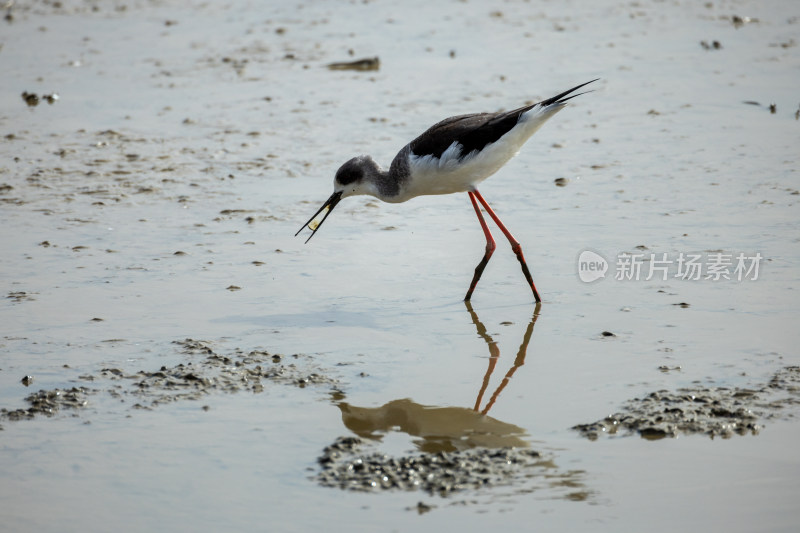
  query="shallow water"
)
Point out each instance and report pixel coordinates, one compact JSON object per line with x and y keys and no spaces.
{"x":215,"y":131}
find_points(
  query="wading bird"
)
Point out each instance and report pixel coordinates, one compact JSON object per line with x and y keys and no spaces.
{"x":454,"y":155}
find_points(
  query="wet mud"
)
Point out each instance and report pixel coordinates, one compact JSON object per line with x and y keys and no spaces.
{"x":352,"y":463}
{"x":205,"y":372}
{"x":48,"y":403}
{"x":713,"y":411}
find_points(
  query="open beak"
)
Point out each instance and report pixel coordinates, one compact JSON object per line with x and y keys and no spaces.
{"x":315,"y":222}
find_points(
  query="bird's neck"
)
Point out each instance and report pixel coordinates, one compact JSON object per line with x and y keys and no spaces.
{"x":379,"y":183}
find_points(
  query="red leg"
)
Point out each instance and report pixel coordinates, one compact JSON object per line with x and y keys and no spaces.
{"x":515,"y":246}
{"x":490,"y":246}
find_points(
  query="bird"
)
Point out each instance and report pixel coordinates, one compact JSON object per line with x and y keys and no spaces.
{"x":454,"y":155}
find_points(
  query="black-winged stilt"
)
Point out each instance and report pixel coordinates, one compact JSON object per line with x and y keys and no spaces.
{"x":454,"y":155}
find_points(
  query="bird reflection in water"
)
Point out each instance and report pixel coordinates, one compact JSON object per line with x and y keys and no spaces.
{"x":446,"y":428}
{"x":494,"y":355}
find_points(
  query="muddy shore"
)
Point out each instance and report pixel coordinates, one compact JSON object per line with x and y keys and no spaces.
{"x":172,"y":357}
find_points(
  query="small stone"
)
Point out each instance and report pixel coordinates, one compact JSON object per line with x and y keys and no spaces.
{"x":31,"y":99}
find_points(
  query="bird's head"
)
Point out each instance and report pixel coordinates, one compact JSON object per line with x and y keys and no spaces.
{"x":358,"y":176}
{"x":350,"y":180}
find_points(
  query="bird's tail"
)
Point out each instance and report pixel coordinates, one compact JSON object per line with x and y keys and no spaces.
{"x":535,"y":115}
{"x":563,"y":97}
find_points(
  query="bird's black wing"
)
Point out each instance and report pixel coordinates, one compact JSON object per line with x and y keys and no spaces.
{"x":475,"y":131}
{"x":472,"y":132}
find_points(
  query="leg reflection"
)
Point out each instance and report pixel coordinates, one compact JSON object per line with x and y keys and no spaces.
{"x":494,"y":355}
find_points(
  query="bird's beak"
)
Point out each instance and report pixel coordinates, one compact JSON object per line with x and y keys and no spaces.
{"x":314,"y":222}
